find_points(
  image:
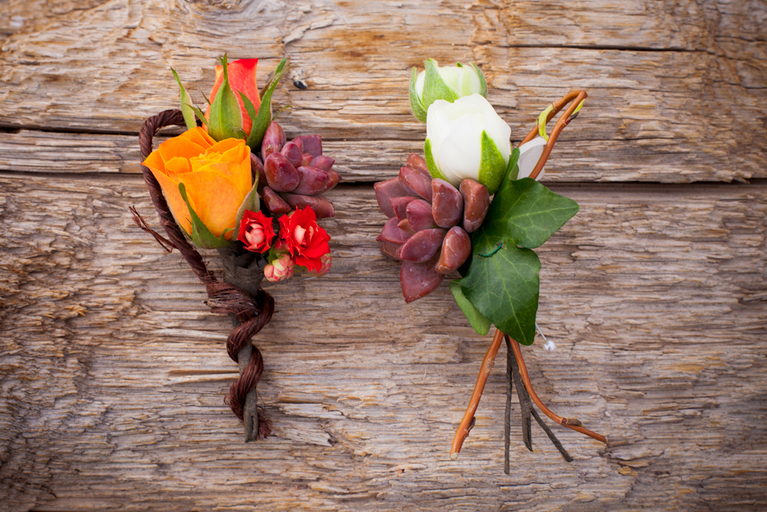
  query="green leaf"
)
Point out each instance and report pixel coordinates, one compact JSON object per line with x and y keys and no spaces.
{"x":504,"y":289}
{"x":513,"y":169}
{"x":201,"y":235}
{"x":434,"y":87}
{"x":503,"y":283}
{"x":225,"y":115}
{"x":187,"y":109}
{"x":475,"y":318}
{"x":249,"y":203}
{"x":526,"y":213}
{"x":264,"y":117}
{"x":415,"y":102}
{"x":492,"y":167}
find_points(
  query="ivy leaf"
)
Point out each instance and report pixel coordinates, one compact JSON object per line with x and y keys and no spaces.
{"x":502,"y":279}
{"x":264,"y":116}
{"x":526,"y":213}
{"x":504,"y":289}
{"x":225,"y":114}
{"x":476,"y":319}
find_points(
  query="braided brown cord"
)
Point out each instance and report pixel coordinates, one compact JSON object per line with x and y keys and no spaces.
{"x":252,"y":313}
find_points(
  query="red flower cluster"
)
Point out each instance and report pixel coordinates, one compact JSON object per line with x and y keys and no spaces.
{"x":302,"y":242}
{"x":306,"y":241}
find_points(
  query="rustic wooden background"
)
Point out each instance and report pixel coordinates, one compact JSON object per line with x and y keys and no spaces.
{"x":113,"y":371}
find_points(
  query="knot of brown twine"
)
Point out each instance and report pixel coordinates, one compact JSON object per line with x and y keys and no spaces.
{"x":252,"y":313}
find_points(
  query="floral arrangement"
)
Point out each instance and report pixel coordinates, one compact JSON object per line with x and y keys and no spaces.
{"x":473,"y":206}
{"x":233,"y":182}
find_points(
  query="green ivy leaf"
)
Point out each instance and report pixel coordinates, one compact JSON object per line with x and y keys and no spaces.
{"x":264,"y":117}
{"x":504,"y":289}
{"x":502,"y":279}
{"x":225,"y":115}
{"x":187,"y":109}
{"x":526,"y":213}
{"x":201,"y":235}
{"x":476,"y":319}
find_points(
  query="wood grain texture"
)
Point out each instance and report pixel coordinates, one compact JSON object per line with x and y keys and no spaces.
{"x":676,"y":93}
{"x":114,"y":371}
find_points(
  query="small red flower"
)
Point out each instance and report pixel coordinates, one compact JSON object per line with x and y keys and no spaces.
{"x":304,"y":238}
{"x":256,"y":231}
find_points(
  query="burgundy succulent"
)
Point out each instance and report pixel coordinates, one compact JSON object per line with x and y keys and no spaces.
{"x":294,"y":173}
{"x":428,"y":226}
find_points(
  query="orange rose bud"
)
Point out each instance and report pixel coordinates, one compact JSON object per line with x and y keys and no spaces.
{"x":242,"y":79}
{"x":215,"y":175}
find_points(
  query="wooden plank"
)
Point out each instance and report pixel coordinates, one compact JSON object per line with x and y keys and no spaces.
{"x":687,"y":106}
{"x":114,"y":371}
{"x":360,"y":161}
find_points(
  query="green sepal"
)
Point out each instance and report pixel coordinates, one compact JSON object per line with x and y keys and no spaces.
{"x":482,"y":81}
{"x":250,"y":202}
{"x":512,"y":169}
{"x":430,"y":163}
{"x":225,"y":115}
{"x":476,"y":319}
{"x":492,"y":167}
{"x":434,"y":87}
{"x":264,"y":116}
{"x":200,"y":115}
{"x":187,"y":109}
{"x":415,"y":102}
{"x":504,"y":288}
{"x":201,"y":235}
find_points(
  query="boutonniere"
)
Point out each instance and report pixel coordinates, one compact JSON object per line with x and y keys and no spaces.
{"x":472,"y":207}
{"x":235,"y":183}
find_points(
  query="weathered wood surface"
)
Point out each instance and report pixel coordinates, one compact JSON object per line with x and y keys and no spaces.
{"x":113,"y":371}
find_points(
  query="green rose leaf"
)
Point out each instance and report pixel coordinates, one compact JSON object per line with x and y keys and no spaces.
{"x":430,"y":163}
{"x":201,"y":235}
{"x":225,"y":115}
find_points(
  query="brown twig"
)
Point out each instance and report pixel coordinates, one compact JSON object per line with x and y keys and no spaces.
{"x":468,"y":418}
{"x":573,"y":97}
{"x":252,"y":312}
{"x":569,"y":423}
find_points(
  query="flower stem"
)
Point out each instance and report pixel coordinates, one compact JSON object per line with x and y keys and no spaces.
{"x":468,"y":418}
{"x":569,"y":423}
{"x":575,"y":98}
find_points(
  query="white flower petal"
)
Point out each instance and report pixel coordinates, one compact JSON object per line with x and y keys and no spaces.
{"x":529,"y":154}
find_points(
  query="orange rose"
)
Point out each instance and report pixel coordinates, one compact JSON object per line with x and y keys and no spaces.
{"x":215,"y":175}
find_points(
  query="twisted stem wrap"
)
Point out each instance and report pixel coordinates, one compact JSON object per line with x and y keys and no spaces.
{"x":252,"y":313}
